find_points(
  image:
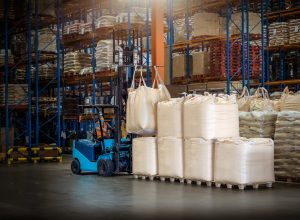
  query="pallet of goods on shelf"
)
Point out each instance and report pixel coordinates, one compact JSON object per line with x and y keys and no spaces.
{"x":104,"y":54}
{"x":294,"y":31}
{"x":71,"y":28}
{"x":2,"y":58}
{"x":180,"y":30}
{"x":105,"y":21}
{"x":47,"y":40}
{"x":17,"y":94}
{"x":11,"y":10}
{"x":202,"y":20}
{"x":85,"y":28}
{"x":254,"y":23}
{"x":201,"y":65}
{"x":180,"y":68}
{"x":278,"y":33}
{"x":75,"y":62}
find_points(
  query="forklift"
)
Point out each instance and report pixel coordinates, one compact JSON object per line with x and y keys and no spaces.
{"x":109,"y":156}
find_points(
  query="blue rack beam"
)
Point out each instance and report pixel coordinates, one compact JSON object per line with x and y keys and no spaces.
{"x":171,"y":38}
{"x":58,"y":70}
{"x":36,"y":74}
{"x":243,"y":43}
{"x":228,"y":18}
{"x":267,"y":37}
{"x":29,"y":73}
{"x":6,"y":74}
{"x":93,"y":57}
{"x":248,"y":44}
{"x":148,"y":44}
{"x":187,"y":26}
{"x":262,"y":45}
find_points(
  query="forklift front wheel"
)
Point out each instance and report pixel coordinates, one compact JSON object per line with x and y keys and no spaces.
{"x":75,"y":167}
{"x":105,"y":167}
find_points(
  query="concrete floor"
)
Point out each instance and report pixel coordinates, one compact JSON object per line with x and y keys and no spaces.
{"x":51,"y":191}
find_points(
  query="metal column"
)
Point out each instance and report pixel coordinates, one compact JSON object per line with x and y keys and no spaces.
{"x":267,"y":37}
{"x":248,"y":45}
{"x":58,"y":69}
{"x":129,"y":36}
{"x":148,"y":44}
{"x":171,"y":38}
{"x":262,"y":45}
{"x":187,"y":24}
{"x":93,"y":56}
{"x":36,"y":74}
{"x":29,"y":72}
{"x":228,"y":16}
{"x":6,"y":73}
{"x":243,"y":43}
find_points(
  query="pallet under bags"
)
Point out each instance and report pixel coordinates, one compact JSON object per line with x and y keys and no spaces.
{"x":170,"y":157}
{"x":211,"y":117}
{"x":198,"y":159}
{"x":242,"y":161}
{"x":144,"y":156}
{"x":142,"y":103}
{"x":169,"y":118}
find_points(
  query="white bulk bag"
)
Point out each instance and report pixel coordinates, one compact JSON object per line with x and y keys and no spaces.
{"x":170,"y":157}
{"x":290,"y":101}
{"x":244,"y":161}
{"x":198,"y":159}
{"x":210,"y":117}
{"x":169,"y":118}
{"x":144,"y":156}
{"x":141,"y":105}
{"x":260,"y":101}
{"x":244,"y":100}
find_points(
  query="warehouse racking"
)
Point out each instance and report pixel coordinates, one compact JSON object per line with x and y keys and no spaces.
{"x":268,"y":13}
{"x":38,"y":127}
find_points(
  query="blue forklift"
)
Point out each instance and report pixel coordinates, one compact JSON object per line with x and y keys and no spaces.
{"x":106,"y":156}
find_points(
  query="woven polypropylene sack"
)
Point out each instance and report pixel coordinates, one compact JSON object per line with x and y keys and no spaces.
{"x":170,"y":157}
{"x":142,"y":104}
{"x":260,"y":101}
{"x":144,"y":156}
{"x":210,"y":117}
{"x":244,"y":161}
{"x":198,"y":159}
{"x":169,"y":118}
{"x":290,"y":101}
{"x":244,"y":100}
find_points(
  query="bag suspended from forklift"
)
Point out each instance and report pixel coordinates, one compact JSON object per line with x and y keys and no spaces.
{"x":142,"y":103}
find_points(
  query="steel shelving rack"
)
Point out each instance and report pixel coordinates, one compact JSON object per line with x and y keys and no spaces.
{"x":34,"y":124}
{"x":245,"y":37}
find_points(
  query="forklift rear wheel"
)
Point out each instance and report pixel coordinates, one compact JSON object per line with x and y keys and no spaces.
{"x":105,"y":167}
{"x":75,"y":167}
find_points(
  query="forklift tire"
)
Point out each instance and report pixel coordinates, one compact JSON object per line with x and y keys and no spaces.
{"x":75,"y":167}
{"x":105,"y":167}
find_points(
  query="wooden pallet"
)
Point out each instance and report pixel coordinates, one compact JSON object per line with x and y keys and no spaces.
{"x":144,"y":177}
{"x":198,"y":182}
{"x":287,"y":179}
{"x":243,"y":186}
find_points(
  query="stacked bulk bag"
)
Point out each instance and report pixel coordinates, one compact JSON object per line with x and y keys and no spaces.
{"x":257,"y":114}
{"x":198,"y":159}
{"x":170,"y":142}
{"x":169,"y":118}
{"x":260,"y":101}
{"x":244,"y":100}
{"x":144,"y":156}
{"x":170,"y":157}
{"x":257,"y":124}
{"x":244,"y":161}
{"x":142,"y":103}
{"x":287,"y":144}
{"x":211,"y":117}
{"x":290,"y":101}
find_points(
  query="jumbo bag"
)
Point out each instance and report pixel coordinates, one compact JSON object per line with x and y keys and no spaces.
{"x":142,"y":103}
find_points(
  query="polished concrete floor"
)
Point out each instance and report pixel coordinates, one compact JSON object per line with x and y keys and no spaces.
{"x":51,"y":191}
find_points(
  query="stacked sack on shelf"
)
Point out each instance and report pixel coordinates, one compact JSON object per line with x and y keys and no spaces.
{"x":278,"y":33}
{"x":17,"y":94}
{"x":294,"y":31}
{"x":287,"y":136}
{"x":104,"y":54}
{"x":257,"y":114}
{"x":47,"y":40}
{"x":105,"y":21}
{"x":141,"y":119}
{"x":75,"y":61}
{"x":71,"y":28}
{"x":2,"y":57}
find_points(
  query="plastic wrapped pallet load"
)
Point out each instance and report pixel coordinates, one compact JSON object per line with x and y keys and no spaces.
{"x":144,"y":156}
{"x":198,"y":159}
{"x":142,"y":104}
{"x":287,"y":144}
{"x":211,"y":117}
{"x":170,"y":157}
{"x":242,"y":161}
{"x":169,"y":118}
